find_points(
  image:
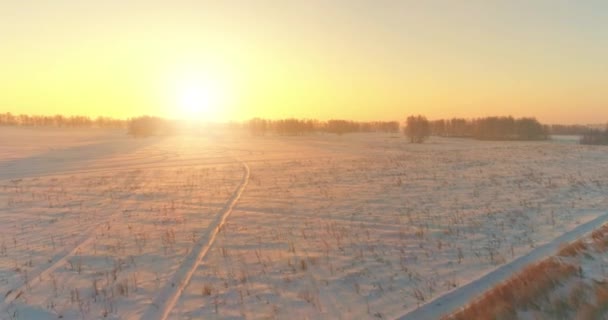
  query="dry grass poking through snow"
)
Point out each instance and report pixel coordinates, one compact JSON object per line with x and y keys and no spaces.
{"x":570,"y":285}
{"x":329,"y":227}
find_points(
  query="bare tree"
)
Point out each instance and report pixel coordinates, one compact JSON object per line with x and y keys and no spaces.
{"x":418,"y":128}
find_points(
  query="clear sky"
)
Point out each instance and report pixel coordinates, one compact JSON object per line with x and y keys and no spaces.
{"x":354,"y":59}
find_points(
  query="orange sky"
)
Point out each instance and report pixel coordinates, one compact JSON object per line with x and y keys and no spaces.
{"x":355,"y":59}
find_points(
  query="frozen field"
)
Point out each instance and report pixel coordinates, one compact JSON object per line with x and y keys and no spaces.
{"x":94,"y":224}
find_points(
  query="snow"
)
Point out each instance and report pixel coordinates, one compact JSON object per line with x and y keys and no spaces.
{"x":570,"y":283}
{"x":95,"y":224}
{"x":167,"y":297}
{"x":452,"y":300}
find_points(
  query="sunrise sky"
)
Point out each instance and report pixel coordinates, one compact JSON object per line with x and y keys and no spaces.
{"x":352,"y":59}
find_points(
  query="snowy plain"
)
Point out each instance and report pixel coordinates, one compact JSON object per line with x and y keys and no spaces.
{"x":224,"y":225}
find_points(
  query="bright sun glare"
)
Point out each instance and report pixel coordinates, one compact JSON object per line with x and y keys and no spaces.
{"x":198,"y":99}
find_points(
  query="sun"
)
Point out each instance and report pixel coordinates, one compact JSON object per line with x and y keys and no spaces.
{"x":198,"y":98}
{"x":195,"y":100}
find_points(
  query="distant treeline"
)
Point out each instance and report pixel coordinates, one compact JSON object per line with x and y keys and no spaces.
{"x":145,"y":126}
{"x":138,"y":127}
{"x":491,"y":128}
{"x":595,"y":137}
{"x":8,"y":119}
{"x":574,"y":130}
{"x":295,"y":127}
{"x":417,"y":128}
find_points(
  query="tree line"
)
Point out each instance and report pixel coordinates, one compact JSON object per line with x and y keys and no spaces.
{"x":145,"y":126}
{"x":138,"y":127}
{"x":460,"y":127}
{"x":595,"y":137}
{"x":417,"y":128}
{"x":24,"y":120}
{"x":491,"y":128}
{"x":573,"y":129}
{"x":296,"y":127}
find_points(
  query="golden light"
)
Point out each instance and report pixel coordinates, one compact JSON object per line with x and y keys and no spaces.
{"x":198,"y":99}
{"x":198,"y":92}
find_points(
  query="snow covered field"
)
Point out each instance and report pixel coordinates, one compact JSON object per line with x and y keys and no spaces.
{"x":569,"y":283}
{"x":94,"y":224}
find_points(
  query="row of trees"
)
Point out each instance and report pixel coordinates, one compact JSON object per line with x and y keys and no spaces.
{"x":294,"y":127}
{"x":574,"y":129}
{"x":595,"y":137}
{"x":417,"y":128}
{"x":456,"y":127}
{"x":460,"y":127}
{"x":137,"y":127}
{"x":8,"y":119}
{"x":491,"y":128}
{"x":150,"y":126}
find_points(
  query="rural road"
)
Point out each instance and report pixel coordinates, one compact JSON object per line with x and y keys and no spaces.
{"x":452,"y":300}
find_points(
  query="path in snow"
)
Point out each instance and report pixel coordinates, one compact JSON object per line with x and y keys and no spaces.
{"x":168,"y":296}
{"x":41,"y":273}
{"x":451,"y":300}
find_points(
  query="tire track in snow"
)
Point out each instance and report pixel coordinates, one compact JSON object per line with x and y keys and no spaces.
{"x":40,"y":274}
{"x":164,"y":302}
{"x":450,"y":301}
{"x":59,"y":259}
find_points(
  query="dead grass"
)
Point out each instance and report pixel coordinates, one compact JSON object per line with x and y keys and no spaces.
{"x":519,"y":292}
{"x":531,"y":287}
{"x":600,"y":238}
{"x":572,"y":249}
{"x":599,"y":307}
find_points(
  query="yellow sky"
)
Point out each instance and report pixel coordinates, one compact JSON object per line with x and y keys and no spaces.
{"x":356,"y":59}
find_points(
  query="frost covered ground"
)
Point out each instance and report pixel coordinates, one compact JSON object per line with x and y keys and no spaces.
{"x":228,"y":226}
{"x":568,"y":284}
